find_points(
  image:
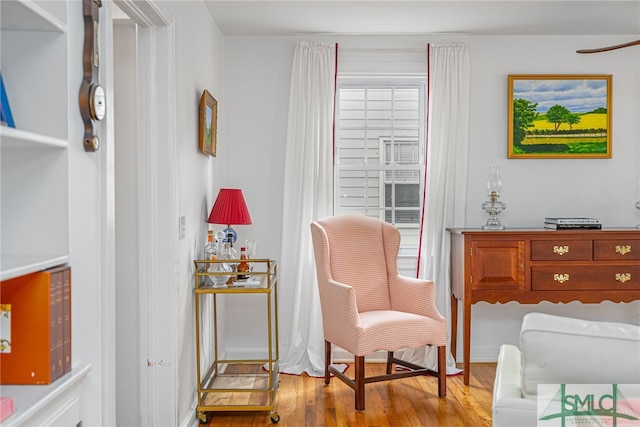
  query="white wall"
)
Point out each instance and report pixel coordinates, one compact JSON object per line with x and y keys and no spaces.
{"x":199,"y":65}
{"x":257,"y":93}
{"x":256,"y":89}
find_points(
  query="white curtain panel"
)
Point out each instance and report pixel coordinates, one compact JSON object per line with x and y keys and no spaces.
{"x":446,"y":181}
{"x":308,"y":195}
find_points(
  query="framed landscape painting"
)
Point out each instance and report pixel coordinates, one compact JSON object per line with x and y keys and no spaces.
{"x":208,"y":124}
{"x":559,"y":116}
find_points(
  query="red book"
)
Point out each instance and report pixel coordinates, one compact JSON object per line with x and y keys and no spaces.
{"x":35,"y":352}
{"x":7,"y":407}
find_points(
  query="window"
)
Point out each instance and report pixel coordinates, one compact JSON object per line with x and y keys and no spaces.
{"x":380,"y":151}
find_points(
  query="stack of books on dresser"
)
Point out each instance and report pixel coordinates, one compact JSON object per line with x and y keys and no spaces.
{"x":569,"y":223}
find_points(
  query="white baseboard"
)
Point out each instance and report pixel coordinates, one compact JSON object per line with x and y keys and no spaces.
{"x":245,"y":353}
{"x":481,"y":355}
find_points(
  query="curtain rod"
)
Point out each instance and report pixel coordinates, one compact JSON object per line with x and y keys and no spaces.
{"x":383,"y":50}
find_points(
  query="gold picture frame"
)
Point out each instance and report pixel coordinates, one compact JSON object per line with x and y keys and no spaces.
{"x":555,"y":116}
{"x":207,"y":134}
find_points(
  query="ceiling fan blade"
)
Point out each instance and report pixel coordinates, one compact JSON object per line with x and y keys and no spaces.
{"x":604,"y":49}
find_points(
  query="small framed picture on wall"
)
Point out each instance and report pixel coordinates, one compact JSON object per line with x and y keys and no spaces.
{"x":208,"y":124}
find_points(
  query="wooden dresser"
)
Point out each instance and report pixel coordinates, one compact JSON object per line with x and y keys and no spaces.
{"x":534,"y":265}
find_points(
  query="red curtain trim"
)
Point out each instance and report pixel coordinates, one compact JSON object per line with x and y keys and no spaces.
{"x":424,"y":192}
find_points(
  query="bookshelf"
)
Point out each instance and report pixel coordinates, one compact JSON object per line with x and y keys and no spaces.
{"x":34,"y":178}
{"x":34,"y":157}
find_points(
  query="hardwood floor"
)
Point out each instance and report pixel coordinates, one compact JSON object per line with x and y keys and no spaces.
{"x":306,"y":401}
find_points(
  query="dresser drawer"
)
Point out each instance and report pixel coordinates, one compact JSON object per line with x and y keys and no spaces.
{"x":561,"y":250}
{"x":614,"y":250}
{"x":606,"y":277}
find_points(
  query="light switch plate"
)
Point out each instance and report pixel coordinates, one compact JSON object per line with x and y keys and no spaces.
{"x":183,"y":227}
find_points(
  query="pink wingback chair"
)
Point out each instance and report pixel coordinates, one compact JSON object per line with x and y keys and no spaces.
{"x":367,"y":305}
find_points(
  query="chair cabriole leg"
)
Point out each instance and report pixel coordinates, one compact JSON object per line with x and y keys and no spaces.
{"x":327,"y":361}
{"x":442,"y":372}
{"x":389,"y":361}
{"x":359,"y":383}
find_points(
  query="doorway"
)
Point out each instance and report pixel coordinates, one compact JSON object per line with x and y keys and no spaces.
{"x":144,"y":170}
{"x":127,"y":358}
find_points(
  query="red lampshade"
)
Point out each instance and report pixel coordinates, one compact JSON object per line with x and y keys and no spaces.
{"x":229,"y":208}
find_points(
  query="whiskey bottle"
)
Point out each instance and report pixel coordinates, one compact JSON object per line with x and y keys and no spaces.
{"x":243,"y":265}
{"x":209,"y":248}
{"x":209,"y":254}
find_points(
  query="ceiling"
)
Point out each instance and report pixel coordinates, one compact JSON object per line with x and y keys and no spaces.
{"x":474,"y":17}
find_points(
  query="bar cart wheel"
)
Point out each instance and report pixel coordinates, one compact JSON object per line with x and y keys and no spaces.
{"x":203,"y":417}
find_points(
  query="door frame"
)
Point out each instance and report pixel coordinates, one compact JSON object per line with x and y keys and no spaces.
{"x":157,"y":254}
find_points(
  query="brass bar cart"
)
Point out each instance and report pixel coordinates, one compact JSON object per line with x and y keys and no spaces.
{"x":231,"y":384}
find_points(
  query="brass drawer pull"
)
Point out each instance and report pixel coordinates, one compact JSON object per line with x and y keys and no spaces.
{"x":561,"y":278}
{"x":623,"y":250}
{"x":623,"y":277}
{"x":561,"y":250}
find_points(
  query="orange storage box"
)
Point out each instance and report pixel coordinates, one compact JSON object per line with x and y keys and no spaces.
{"x":33,"y":317}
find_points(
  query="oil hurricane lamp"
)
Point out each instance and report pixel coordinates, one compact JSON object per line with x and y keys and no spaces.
{"x":493,"y":206}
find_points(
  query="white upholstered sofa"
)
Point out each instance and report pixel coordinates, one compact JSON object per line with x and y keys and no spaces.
{"x":561,"y":350}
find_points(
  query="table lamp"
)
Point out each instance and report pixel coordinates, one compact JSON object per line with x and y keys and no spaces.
{"x":230,"y":209}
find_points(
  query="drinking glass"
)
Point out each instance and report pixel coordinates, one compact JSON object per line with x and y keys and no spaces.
{"x":250,"y":246}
